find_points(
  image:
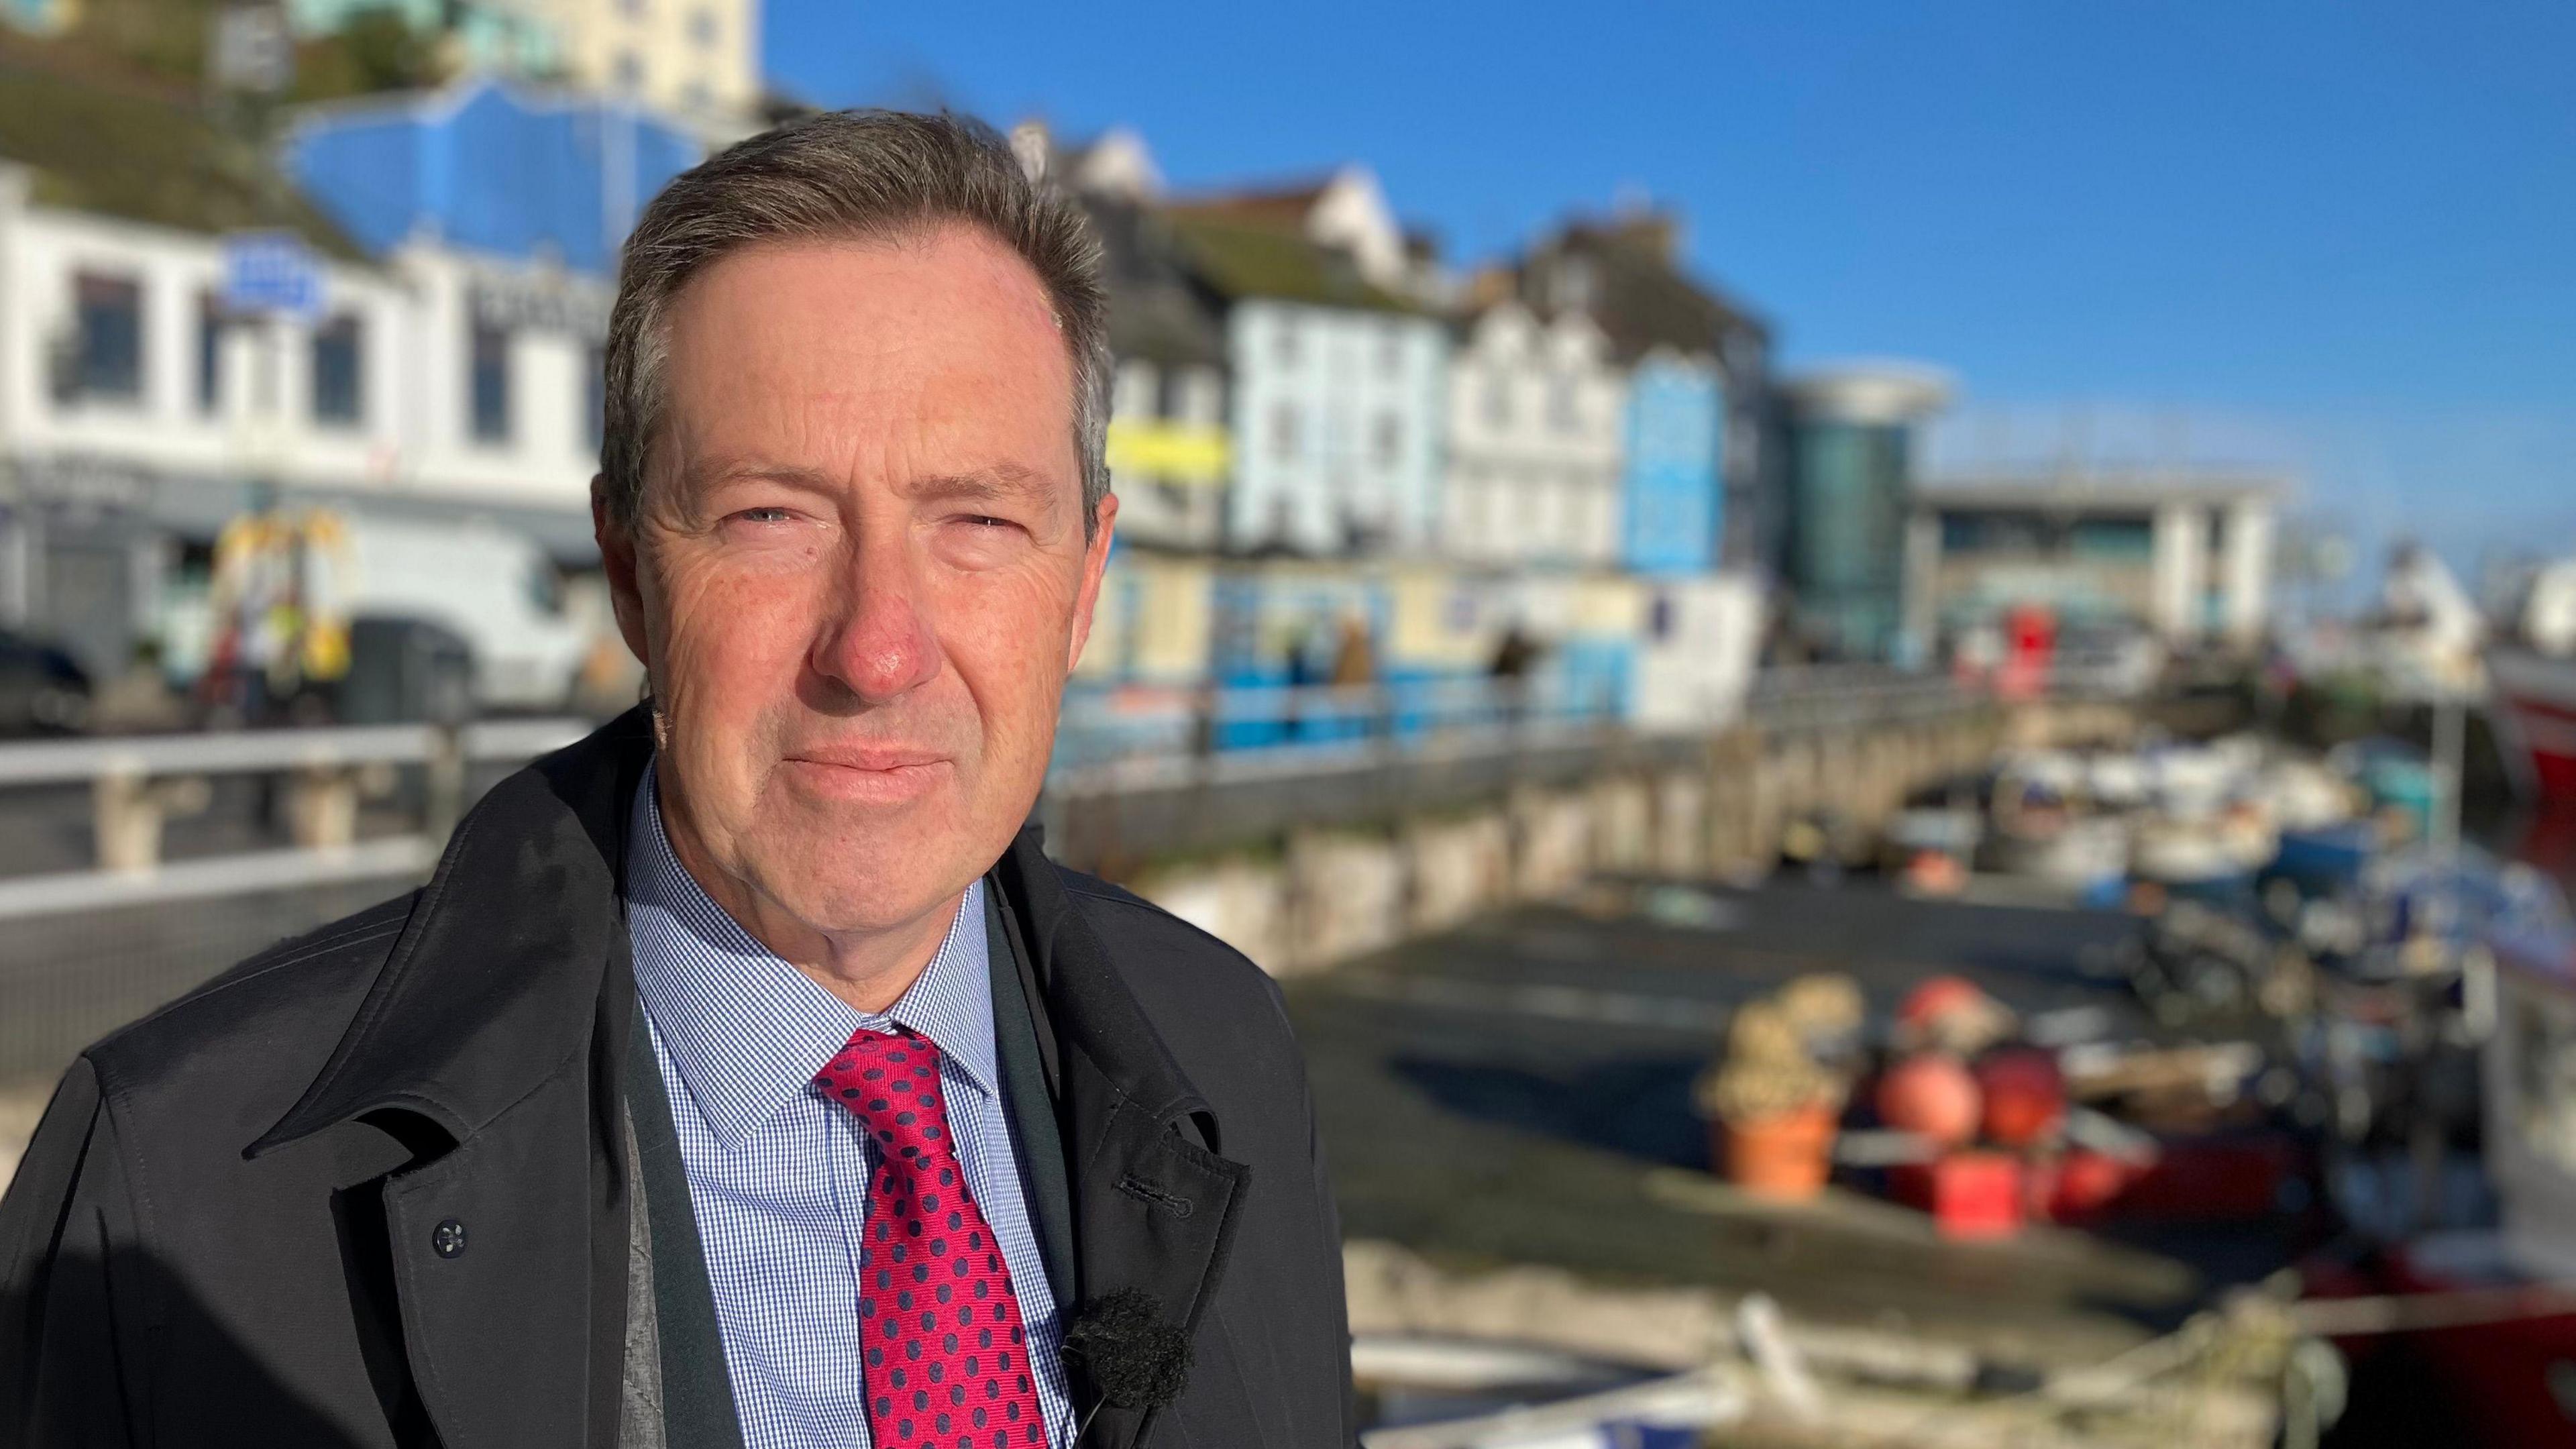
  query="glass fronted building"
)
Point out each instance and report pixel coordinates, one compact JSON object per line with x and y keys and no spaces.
{"x":1851,"y":467}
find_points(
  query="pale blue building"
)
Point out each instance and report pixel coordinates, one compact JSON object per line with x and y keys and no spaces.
{"x":1671,"y":480}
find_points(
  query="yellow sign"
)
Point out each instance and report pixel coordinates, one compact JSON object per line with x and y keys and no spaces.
{"x":1174,"y":452}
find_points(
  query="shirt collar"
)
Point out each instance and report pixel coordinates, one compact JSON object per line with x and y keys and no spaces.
{"x":746,"y":1029}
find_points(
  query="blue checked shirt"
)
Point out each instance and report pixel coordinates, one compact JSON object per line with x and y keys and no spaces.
{"x":779,"y":1175}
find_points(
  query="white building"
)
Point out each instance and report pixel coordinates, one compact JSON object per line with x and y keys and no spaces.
{"x":696,"y":58}
{"x":1536,"y":411}
{"x":2188,"y":556}
{"x":1339,"y":378}
{"x":139,"y":410}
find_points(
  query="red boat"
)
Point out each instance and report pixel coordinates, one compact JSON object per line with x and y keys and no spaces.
{"x":2535,"y":716}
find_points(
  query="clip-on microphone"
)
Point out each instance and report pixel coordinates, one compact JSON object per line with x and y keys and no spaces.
{"x":1134,"y":1358}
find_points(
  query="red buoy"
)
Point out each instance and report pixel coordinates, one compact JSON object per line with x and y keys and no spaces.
{"x":2025,"y":1096}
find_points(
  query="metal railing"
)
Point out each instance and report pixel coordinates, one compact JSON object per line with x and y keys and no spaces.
{"x":1810,"y":696}
{"x":1147,"y":735}
{"x":137,"y":783}
{"x":1129,"y":737}
{"x":315,"y":823}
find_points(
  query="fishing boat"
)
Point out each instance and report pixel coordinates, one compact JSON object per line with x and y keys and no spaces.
{"x":2476,"y":1303}
{"x":2535,"y":713}
{"x":2531,"y":675}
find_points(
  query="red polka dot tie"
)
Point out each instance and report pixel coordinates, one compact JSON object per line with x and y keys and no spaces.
{"x":947,"y":1358}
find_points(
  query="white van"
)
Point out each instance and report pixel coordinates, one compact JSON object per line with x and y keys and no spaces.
{"x":495,"y":588}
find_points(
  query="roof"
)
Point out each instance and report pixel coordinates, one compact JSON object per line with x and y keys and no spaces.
{"x":1286,"y":205}
{"x":1875,"y":392}
{"x":510,"y":170}
{"x":101,"y":142}
{"x":1640,"y":296}
{"x":2107,"y":492}
{"x":1154,"y":311}
{"x":1240,"y":257}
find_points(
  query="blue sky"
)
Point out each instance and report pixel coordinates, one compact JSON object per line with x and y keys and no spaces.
{"x":2337,"y":237}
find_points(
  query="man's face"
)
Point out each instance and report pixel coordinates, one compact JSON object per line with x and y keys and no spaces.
{"x":859,"y":573}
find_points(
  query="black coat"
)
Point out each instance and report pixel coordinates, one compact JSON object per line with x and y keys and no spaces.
{"x":367,"y":1188}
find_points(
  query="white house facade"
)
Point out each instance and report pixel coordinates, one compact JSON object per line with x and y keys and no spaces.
{"x":1535,"y":415}
{"x":1337,"y":422}
{"x":141,"y":406}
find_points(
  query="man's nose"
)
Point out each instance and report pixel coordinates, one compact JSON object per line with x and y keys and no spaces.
{"x":880,"y":645}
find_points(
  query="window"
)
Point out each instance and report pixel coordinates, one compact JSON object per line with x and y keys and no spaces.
{"x":1390,"y":351}
{"x":632,"y":9}
{"x":1388,"y":439}
{"x":1171,"y":393}
{"x":1573,"y":284}
{"x":1563,"y":411}
{"x":489,"y":384}
{"x":594,"y":393}
{"x":211,"y":323}
{"x":630,"y":71}
{"x":339,"y":377}
{"x":1283,"y":342}
{"x":702,"y":27}
{"x":1202,"y":397}
{"x":1131,"y":393}
{"x":1498,"y":400}
{"x":108,"y":360}
{"x":1283,"y":431}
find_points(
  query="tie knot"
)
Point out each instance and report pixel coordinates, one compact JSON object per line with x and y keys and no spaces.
{"x":890,"y":1082}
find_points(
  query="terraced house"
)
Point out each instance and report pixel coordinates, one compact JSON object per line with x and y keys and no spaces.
{"x":1536,"y":417}
{"x":1695,"y":365}
{"x":1339,"y":367}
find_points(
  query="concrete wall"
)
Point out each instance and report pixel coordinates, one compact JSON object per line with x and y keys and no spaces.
{"x":1326,"y":893}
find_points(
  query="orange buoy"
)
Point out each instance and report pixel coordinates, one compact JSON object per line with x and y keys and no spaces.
{"x":1932,"y":1096}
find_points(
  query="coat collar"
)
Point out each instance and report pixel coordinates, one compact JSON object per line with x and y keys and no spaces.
{"x":1088,"y":1004}
{"x":482,"y":998}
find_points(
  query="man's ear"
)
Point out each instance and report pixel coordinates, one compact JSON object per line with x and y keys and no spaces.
{"x":1095,"y":559}
{"x":617,"y":560}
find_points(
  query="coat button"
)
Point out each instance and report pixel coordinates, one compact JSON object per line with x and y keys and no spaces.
{"x":448,"y":1238}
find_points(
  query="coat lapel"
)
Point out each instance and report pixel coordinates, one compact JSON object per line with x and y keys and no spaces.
{"x":492,"y":1043}
{"x":1153,"y":1210}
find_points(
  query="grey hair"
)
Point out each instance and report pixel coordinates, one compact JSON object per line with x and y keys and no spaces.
{"x":863,"y":175}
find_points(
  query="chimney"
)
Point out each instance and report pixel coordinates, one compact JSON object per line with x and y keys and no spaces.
{"x":1029,"y":142}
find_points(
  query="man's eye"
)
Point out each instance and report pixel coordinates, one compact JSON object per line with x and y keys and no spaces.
{"x":985,"y":520}
{"x":762,"y":515}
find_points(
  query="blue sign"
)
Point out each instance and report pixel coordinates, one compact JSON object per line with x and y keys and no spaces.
{"x":271,"y":271}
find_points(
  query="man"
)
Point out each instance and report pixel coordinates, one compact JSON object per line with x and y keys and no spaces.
{"x":745,"y":1074}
